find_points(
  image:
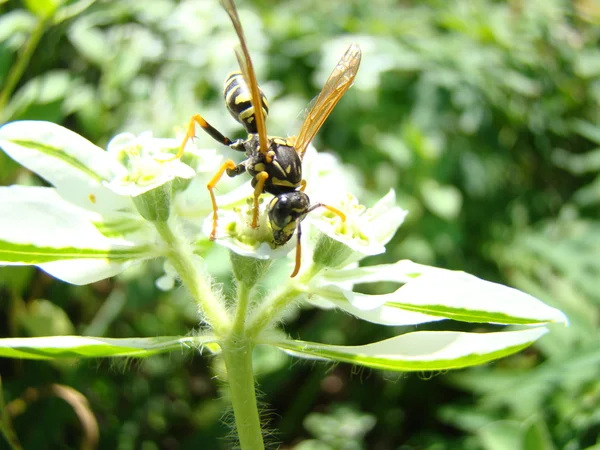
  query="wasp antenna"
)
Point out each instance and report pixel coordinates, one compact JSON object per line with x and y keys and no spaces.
{"x":298,"y":251}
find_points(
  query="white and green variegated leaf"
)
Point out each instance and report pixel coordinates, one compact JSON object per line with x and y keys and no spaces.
{"x":56,"y":347}
{"x":76,"y":167}
{"x":422,"y":350}
{"x":437,"y":293}
{"x":40,"y":228}
{"x":372,"y":308}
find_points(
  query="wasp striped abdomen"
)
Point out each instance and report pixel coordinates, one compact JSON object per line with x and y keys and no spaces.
{"x":239,"y":101}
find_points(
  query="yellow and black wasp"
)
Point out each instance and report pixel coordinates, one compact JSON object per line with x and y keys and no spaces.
{"x":275,"y":163}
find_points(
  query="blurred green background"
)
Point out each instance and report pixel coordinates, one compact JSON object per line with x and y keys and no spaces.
{"x":483,"y":115}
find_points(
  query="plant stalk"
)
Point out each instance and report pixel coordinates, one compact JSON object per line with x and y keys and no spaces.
{"x":237,"y":353}
{"x":16,"y":72}
{"x":181,"y":256}
{"x":6,"y":426}
{"x":243,"y":299}
{"x":271,"y":308}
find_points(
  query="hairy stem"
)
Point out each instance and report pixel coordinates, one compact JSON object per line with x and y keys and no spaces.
{"x":272,"y":307}
{"x":237,"y":353}
{"x":243,"y":299}
{"x":181,"y":256}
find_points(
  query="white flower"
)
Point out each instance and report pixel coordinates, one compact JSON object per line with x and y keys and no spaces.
{"x":365,"y":230}
{"x":234,"y":231}
{"x":86,"y":227}
{"x":148,"y":163}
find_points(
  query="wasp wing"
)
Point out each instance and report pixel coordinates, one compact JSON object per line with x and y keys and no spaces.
{"x":335,"y":87}
{"x":245,"y":62}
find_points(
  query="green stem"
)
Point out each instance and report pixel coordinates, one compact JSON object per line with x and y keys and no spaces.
{"x":272,"y":307}
{"x":23,"y":59}
{"x":237,"y":353}
{"x":6,"y":425}
{"x":243,"y":294}
{"x":181,"y":256}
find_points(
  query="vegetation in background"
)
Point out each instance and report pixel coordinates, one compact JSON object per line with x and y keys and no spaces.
{"x":482,"y":115}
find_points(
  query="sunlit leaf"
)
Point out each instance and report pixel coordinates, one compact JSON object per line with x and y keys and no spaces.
{"x":55,"y":347}
{"x":75,"y":166}
{"x":43,"y":8}
{"x":421,"y":350}
{"x":40,"y":228}
{"x":434,"y":294}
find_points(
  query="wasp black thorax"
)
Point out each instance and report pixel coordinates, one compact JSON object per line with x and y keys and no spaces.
{"x":281,"y":162}
{"x":285,"y":210}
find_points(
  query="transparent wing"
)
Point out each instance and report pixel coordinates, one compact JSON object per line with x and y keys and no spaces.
{"x":335,"y":87}
{"x":245,"y":62}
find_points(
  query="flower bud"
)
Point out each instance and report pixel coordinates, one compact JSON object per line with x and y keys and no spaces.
{"x":248,"y":270}
{"x":155,"y":205}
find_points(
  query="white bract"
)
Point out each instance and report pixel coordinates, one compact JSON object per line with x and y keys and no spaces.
{"x":112,"y":208}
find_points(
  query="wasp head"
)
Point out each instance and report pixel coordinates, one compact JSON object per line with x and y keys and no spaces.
{"x":285,"y":210}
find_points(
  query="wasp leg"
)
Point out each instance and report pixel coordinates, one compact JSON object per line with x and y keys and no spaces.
{"x":298,"y":251}
{"x":238,"y":170}
{"x":227,"y":165}
{"x":191,"y":132}
{"x":336,"y":211}
{"x":261,"y":178}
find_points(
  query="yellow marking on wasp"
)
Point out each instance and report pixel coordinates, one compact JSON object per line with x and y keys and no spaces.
{"x":231,"y":92}
{"x":231,"y":78}
{"x":276,"y":164}
{"x":247,"y":114}
{"x":280,"y":141}
{"x":278,"y":182}
{"x":288,"y":169}
{"x":243,"y":98}
{"x":259,"y":167}
{"x":290,"y":227}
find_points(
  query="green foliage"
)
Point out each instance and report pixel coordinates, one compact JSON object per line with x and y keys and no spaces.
{"x":482,"y":115}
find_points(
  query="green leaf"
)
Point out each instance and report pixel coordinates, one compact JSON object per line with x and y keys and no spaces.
{"x":52,"y":86}
{"x":71,"y":10}
{"x":421,"y":350}
{"x":502,"y":435}
{"x":76,"y":167}
{"x":18,"y":23}
{"x":55,"y":347}
{"x":40,"y":228}
{"x":537,"y":436}
{"x":444,"y":201}
{"x":44,"y":318}
{"x":586,"y":129}
{"x":90,"y":41}
{"x":43,"y":8}
{"x":434,"y":293}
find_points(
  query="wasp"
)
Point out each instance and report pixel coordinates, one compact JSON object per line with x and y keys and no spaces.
{"x":274,"y":163}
